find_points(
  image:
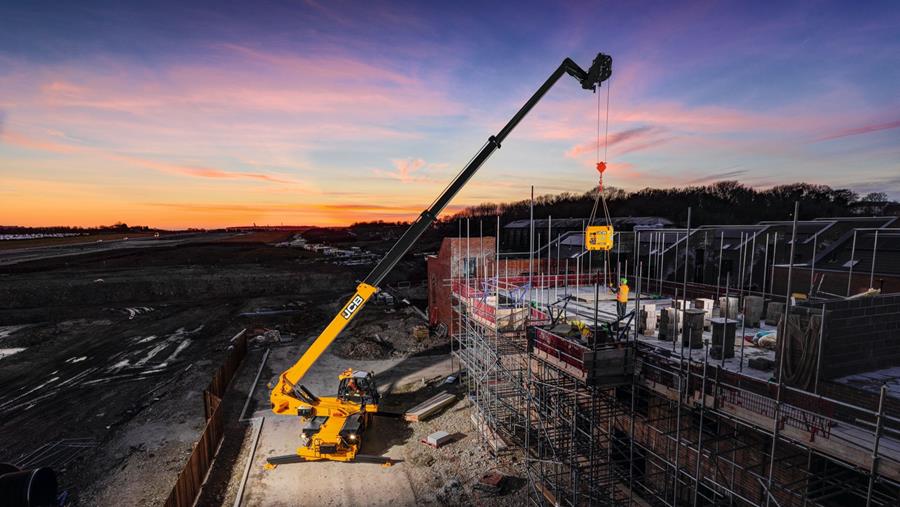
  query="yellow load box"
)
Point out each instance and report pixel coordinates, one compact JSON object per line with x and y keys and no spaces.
{"x":598,"y":237}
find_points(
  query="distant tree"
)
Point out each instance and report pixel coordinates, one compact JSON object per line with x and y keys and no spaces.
{"x":875,"y":197}
{"x":724,"y":202}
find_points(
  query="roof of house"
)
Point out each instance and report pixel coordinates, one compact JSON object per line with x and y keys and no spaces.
{"x":575,"y":223}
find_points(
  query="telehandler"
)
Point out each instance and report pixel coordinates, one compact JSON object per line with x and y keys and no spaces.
{"x":333,"y":426}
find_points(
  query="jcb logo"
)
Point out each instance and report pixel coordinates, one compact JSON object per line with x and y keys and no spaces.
{"x":352,"y":306}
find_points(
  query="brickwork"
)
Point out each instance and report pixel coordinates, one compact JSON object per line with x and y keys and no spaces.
{"x":724,"y":445}
{"x":861,"y":335}
{"x":450,"y":262}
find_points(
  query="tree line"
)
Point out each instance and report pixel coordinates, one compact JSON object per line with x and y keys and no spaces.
{"x":724,"y":202}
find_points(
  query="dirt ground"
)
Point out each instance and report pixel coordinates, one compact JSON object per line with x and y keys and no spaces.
{"x":105,"y":352}
{"x":421,"y":474}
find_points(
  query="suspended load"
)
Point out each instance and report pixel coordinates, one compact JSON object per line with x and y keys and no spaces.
{"x":599,"y":237}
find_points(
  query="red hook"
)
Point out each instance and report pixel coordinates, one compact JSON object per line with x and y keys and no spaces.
{"x":601,"y":166}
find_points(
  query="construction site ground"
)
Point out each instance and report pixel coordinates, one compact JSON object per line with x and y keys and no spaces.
{"x":420,"y":475}
{"x":105,"y":353}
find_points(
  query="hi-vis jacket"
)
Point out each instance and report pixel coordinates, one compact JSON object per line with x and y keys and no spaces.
{"x":622,"y":294}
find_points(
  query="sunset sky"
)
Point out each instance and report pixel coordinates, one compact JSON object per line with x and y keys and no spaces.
{"x":329,"y":112}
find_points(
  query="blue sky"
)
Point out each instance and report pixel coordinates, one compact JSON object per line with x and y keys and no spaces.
{"x":330,"y":112}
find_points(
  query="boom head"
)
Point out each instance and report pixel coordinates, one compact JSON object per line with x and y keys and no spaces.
{"x":599,"y":72}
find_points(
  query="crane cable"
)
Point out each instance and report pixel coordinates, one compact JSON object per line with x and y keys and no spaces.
{"x":601,"y":164}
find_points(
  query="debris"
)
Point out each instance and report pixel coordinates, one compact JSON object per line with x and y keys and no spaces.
{"x":272,"y":336}
{"x":416,"y":309}
{"x":438,"y":439}
{"x":768,"y":341}
{"x":761,"y":363}
{"x":865,"y":294}
{"x":429,"y":406}
{"x":420,"y":332}
{"x":259,"y":312}
{"x":491,"y":483}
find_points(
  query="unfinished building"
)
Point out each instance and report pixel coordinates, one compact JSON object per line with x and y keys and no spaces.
{"x":711,"y":390}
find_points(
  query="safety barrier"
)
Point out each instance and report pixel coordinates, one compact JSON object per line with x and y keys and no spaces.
{"x":560,"y":348}
{"x":192,"y":477}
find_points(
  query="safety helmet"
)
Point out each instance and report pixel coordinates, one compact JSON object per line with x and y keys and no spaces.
{"x":623,"y":281}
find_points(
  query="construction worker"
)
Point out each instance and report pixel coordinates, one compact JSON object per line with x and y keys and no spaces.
{"x":621,"y":297}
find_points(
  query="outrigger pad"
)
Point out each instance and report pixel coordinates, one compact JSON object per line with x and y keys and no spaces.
{"x":285,"y":459}
{"x":288,"y":459}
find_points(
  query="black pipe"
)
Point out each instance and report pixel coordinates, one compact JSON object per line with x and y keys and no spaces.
{"x":28,"y":488}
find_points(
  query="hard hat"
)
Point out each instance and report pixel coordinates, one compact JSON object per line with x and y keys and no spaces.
{"x":623,"y":281}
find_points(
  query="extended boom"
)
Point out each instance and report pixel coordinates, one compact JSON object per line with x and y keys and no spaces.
{"x":288,"y":397}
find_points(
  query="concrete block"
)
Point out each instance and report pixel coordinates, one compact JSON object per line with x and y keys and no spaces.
{"x":774,"y":312}
{"x":667,"y":328}
{"x":681,"y":304}
{"x":438,"y":438}
{"x":692,"y":332}
{"x":753,"y":310}
{"x":761,"y":363}
{"x":723,"y":332}
{"x":731,"y":305}
{"x":647,"y":320}
{"x":704,"y":303}
{"x":707,"y":305}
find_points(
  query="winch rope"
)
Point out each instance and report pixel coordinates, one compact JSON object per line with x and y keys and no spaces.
{"x":601,"y":164}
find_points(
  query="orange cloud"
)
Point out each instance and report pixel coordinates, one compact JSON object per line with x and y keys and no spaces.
{"x":199,"y":172}
{"x":22,"y":141}
{"x":405,"y":170}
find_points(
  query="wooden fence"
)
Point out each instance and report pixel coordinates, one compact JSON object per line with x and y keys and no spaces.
{"x":191,"y":478}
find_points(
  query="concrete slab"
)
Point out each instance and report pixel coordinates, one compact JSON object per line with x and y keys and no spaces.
{"x":583,"y":309}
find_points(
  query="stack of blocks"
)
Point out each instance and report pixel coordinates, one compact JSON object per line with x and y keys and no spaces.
{"x":723,"y":331}
{"x":773,"y":313}
{"x":667,"y":330}
{"x":753,"y":310}
{"x":730,"y":305}
{"x":706,"y":305}
{"x":692,"y":334}
{"x":647,"y":321}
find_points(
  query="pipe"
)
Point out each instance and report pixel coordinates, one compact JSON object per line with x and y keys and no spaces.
{"x":874,"y":253}
{"x":851,"y":262}
{"x":28,"y":488}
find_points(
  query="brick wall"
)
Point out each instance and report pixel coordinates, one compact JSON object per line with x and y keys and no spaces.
{"x":861,"y":335}
{"x":447,"y":264}
{"x":834,"y":282}
{"x":751,"y":451}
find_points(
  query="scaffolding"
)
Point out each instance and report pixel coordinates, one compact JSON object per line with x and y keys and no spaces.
{"x":611,"y":418}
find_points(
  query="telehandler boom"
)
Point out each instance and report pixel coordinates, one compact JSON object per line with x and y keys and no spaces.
{"x":334,"y":425}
